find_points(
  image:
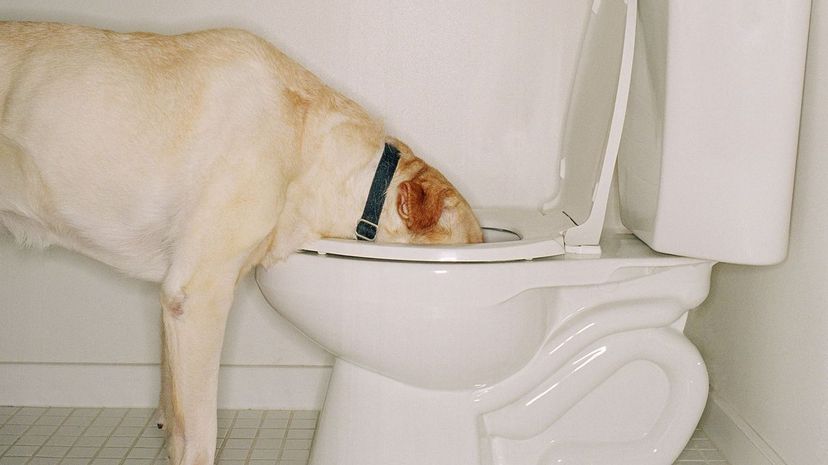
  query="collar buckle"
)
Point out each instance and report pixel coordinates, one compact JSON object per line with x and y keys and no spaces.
{"x":366,"y":230}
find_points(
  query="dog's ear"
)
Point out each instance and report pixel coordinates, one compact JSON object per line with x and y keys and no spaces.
{"x":419,"y":205}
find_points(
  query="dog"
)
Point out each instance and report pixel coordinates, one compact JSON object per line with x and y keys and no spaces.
{"x":187,"y":160}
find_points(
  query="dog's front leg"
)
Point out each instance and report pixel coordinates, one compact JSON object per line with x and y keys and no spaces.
{"x":194,"y":318}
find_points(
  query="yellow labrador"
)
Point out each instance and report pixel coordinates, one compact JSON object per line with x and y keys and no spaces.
{"x":187,"y":160}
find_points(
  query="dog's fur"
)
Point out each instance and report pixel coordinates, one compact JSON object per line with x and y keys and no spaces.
{"x":187,"y":160}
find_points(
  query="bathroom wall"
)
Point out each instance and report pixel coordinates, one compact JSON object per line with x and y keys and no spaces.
{"x":469,"y":85}
{"x":478,"y":88}
{"x":762,"y":331}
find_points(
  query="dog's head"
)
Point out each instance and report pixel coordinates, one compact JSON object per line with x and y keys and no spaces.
{"x":422,"y":207}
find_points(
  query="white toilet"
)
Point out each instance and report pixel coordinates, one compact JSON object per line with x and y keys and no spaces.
{"x":550,"y":344}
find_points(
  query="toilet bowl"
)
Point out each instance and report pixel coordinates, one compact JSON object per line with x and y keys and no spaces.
{"x":501,"y":362}
{"x":552,"y":343}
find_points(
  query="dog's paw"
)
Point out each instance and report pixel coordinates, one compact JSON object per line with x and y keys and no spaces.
{"x":159,"y":418}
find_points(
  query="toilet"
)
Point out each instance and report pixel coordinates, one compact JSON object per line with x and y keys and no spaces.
{"x":557,"y":340}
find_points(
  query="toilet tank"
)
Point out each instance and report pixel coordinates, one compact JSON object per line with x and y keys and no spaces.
{"x":708,"y":151}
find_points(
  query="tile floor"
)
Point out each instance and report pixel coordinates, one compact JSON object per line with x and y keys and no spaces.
{"x":108,"y":436}
{"x":700,"y":451}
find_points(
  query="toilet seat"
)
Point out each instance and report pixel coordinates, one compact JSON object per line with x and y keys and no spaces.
{"x":540,"y":235}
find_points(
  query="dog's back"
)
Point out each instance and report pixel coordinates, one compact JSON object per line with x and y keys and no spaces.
{"x":110,"y":136}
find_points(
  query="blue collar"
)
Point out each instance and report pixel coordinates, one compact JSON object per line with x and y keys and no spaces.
{"x":366,"y":228}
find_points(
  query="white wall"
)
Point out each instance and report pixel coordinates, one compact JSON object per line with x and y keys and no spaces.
{"x":763,"y":330}
{"x":479,"y":88}
{"x":468,"y":84}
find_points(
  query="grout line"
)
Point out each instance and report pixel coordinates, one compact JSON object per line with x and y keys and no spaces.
{"x":82,"y":433}
{"x":112,"y":434}
{"x":46,"y":409}
{"x":255,"y":437}
{"x":137,"y":437}
{"x":17,"y":409}
{"x":162,"y":453}
{"x":76,"y":439}
{"x":20,"y":435}
{"x":284,"y":438}
{"x":100,"y":448}
{"x":224,"y":440}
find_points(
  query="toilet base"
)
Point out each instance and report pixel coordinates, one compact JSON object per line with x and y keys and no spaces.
{"x":641,"y":405}
{"x":369,"y":419}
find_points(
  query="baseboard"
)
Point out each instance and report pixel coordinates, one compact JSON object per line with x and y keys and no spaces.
{"x":734,"y":437}
{"x":101,"y":385}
